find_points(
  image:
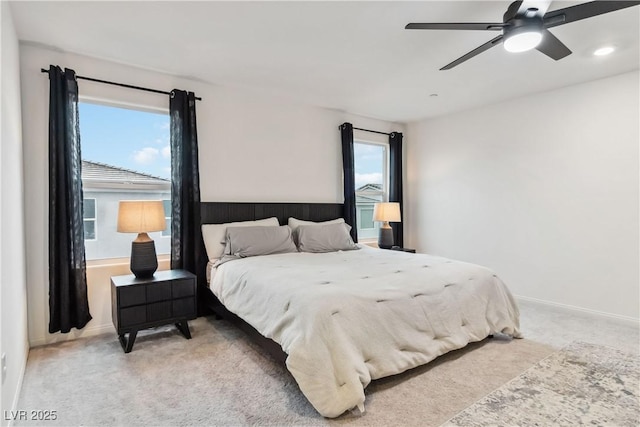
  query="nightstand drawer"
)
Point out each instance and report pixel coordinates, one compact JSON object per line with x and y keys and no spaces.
{"x":183,"y":288}
{"x":159,"y":311}
{"x":184,"y":307}
{"x":132,"y":316}
{"x":159,"y":291}
{"x":132,"y":295}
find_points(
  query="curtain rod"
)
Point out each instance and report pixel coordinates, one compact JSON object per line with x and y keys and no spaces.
{"x":372,"y":131}
{"x":146,"y":89}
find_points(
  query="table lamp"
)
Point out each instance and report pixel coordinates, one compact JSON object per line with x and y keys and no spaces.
{"x":142,"y":217}
{"x":386,"y":212}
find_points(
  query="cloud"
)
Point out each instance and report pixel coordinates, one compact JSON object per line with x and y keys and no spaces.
{"x":166,"y":152}
{"x":368,"y":152}
{"x":368,"y":178}
{"x":146,"y":156}
{"x":164,"y":124}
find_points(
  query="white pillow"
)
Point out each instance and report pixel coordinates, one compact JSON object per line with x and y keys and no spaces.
{"x":214,"y":235}
{"x":295,"y":223}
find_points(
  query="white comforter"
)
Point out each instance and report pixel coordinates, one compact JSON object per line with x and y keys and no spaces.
{"x":345,"y":318}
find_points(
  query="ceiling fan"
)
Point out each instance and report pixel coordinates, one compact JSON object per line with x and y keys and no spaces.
{"x":525,"y":25}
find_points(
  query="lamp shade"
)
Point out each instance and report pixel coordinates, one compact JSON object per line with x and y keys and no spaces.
{"x":387,"y":211}
{"x":141,"y":216}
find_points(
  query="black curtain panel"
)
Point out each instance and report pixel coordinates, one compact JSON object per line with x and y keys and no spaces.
{"x":68,"y":302}
{"x":395,"y":182}
{"x":186,"y":235}
{"x":349,"y":179}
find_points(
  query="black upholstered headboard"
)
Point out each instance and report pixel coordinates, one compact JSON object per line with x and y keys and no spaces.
{"x":221,"y":212}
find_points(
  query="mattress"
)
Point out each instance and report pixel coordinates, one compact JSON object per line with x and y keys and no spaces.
{"x":346,"y":318}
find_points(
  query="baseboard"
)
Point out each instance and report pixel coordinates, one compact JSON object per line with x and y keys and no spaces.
{"x":625,"y":319}
{"x":16,"y":396}
{"x":74,"y":335}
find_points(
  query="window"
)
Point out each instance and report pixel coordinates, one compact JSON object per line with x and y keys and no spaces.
{"x":366,"y":219}
{"x":167,"y":217}
{"x":125,"y":156}
{"x":371,"y":163}
{"x":89,"y":218}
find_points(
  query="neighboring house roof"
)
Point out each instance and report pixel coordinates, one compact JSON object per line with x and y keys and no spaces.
{"x":370,"y":187}
{"x":101,"y":175}
{"x":362,"y":195}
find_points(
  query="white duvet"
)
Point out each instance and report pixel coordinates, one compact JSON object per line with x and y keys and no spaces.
{"x":345,"y":318}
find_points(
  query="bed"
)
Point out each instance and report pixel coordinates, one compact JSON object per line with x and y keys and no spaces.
{"x":341,"y":319}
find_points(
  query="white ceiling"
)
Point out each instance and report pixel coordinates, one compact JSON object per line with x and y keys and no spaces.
{"x":352,"y":56}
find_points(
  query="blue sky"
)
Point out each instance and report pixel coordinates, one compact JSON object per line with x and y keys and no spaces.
{"x":131,"y":139}
{"x":139,"y":141}
{"x":368,"y":163}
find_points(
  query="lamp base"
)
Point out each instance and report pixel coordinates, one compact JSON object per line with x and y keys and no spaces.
{"x":144,"y":261}
{"x":385,"y":238}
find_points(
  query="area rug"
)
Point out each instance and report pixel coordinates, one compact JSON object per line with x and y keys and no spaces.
{"x":582,"y":384}
{"x":220,"y":378}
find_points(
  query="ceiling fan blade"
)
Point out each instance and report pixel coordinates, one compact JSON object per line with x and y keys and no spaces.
{"x":456,"y":26}
{"x":474,"y":52}
{"x":583,"y":11}
{"x":512,"y":11}
{"x":552,"y":47}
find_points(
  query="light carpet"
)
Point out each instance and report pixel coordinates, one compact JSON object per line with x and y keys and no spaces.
{"x":583,"y":384}
{"x":220,"y":378}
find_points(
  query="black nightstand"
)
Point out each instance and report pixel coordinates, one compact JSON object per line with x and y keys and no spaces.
{"x":398,"y":248}
{"x":167,"y":297}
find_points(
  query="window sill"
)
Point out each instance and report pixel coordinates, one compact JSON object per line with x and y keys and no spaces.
{"x":369,"y":242}
{"x":118,"y":262}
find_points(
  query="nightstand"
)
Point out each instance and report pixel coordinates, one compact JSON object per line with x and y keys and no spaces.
{"x":167,"y":297}
{"x":398,"y":248}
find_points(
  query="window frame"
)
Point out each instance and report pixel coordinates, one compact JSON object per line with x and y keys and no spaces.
{"x":133,"y":106}
{"x":385,"y":168}
{"x":386,"y":165}
{"x":167,"y":217}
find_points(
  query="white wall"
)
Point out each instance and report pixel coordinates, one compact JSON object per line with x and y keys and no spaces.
{"x":252,"y":148}
{"x":542,"y":189}
{"x":13,"y":292}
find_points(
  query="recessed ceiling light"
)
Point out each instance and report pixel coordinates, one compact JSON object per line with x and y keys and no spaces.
{"x":604,"y":51}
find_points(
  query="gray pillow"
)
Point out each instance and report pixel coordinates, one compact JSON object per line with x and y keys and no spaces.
{"x":215,"y":235}
{"x":295,"y":223}
{"x":324,"y":238}
{"x":242,"y":242}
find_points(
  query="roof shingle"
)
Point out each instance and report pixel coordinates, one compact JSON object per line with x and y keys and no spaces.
{"x":95,"y":171}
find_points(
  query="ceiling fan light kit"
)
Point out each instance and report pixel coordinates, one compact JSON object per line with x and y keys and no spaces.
{"x":522,"y":39}
{"x":525,"y":26}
